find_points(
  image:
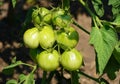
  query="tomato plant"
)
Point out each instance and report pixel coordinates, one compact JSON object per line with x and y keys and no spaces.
{"x":52,"y":41}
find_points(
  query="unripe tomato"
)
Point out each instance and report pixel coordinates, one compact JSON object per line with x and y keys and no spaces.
{"x":41,"y":15}
{"x":48,"y":61}
{"x":62,"y":21}
{"x":31,"y":37}
{"x":47,"y":37}
{"x":71,"y":60}
{"x":67,"y":39}
{"x":36,"y":17}
{"x":57,"y":13}
{"x":45,"y":14}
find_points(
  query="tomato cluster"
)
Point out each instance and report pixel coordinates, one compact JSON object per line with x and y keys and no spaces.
{"x":52,"y":32}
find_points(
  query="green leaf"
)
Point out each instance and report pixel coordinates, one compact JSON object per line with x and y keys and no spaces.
{"x":112,"y":68}
{"x":114,"y":2}
{"x":29,"y":79}
{"x":104,"y":41}
{"x":98,"y":6}
{"x":12,"y":82}
{"x":115,"y":6}
{"x":116,"y":52}
{"x":13,"y":3}
{"x":13,"y":65}
{"x":117,"y":20}
{"x":22,"y":78}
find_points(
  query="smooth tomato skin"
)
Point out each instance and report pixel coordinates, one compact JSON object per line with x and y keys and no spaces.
{"x":31,"y":38}
{"x":71,"y":60}
{"x":48,"y":61}
{"x":46,"y":37}
{"x":67,"y":39}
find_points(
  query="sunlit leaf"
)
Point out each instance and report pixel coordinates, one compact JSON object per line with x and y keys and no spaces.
{"x":98,"y":6}
{"x":104,"y":41}
{"x":12,"y":82}
{"x":29,"y":79}
{"x":22,"y":78}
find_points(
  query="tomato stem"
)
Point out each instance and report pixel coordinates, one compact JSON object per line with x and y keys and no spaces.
{"x":90,"y":77}
{"x":75,"y":23}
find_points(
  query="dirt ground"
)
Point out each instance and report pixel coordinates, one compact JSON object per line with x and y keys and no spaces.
{"x":11,"y":46}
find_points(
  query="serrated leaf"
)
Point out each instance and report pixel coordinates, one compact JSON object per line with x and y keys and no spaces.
{"x":113,"y":2}
{"x":98,"y":6}
{"x":12,"y":82}
{"x":29,"y":79}
{"x":13,"y":65}
{"x":13,"y":3}
{"x":104,"y":41}
{"x":115,"y":6}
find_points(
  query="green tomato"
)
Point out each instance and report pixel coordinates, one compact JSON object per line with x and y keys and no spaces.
{"x":67,"y":39}
{"x":47,"y":37}
{"x":36,"y":17}
{"x":45,"y":14}
{"x":48,"y":61}
{"x":31,"y":38}
{"x":71,"y":60}
{"x":57,"y":12}
{"x":41,"y":15}
{"x":62,"y":21}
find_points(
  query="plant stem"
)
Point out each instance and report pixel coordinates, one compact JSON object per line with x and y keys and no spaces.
{"x":90,"y":77}
{"x":74,"y":77}
{"x":34,"y":67}
{"x":44,"y":77}
{"x":75,"y":23}
{"x":27,"y":65}
{"x":87,"y":8}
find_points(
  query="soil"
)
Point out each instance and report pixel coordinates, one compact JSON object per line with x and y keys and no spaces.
{"x":11,"y":46}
